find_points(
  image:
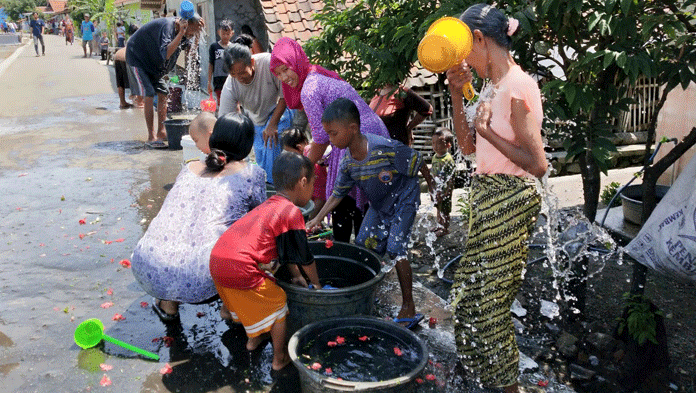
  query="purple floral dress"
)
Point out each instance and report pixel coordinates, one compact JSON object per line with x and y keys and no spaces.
{"x":318,"y":92}
{"x":171,"y":261}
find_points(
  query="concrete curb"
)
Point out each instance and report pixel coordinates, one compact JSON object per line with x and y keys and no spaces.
{"x":7,"y":62}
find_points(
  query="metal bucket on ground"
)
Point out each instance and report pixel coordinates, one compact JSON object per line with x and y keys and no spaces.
{"x":176,"y":128}
{"x":318,"y":382}
{"x":356,"y":272}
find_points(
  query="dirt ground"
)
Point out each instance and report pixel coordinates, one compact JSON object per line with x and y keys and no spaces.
{"x":609,"y":280}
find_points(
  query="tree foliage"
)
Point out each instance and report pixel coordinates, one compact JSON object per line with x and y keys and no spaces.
{"x":588,"y":53}
{"x":15,"y":8}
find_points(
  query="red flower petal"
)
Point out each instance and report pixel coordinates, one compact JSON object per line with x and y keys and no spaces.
{"x":200,"y":314}
{"x":167,"y":341}
{"x":316,"y":366}
{"x":81,"y":236}
{"x":125,"y":263}
{"x":430,"y":377}
{"x":397,"y":351}
{"x":105,"y":381}
{"x":543,"y":383}
{"x":167,"y":369}
{"x":156,"y":339}
{"x":107,"y":305}
{"x":419,"y":380}
{"x":119,"y":240}
{"x":105,"y":367}
{"x":109,"y":291}
{"x":363,"y":338}
{"x":107,"y":242}
{"x":340,"y":340}
{"x":82,"y":221}
{"x":328,"y":371}
{"x":329,"y":243}
{"x":118,"y":317}
{"x":144,"y":304}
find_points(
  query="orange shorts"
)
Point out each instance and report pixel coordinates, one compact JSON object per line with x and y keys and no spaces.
{"x":257,"y":309}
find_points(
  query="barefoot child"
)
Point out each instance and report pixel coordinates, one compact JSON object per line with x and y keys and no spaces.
{"x":216,"y":54}
{"x":296,"y":141}
{"x":442,"y":169}
{"x":387,"y":171}
{"x":246,"y":255}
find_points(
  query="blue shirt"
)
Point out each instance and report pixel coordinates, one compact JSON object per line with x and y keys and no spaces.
{"x":87,"y":28}
{"x":36,"y":25}
{"x":388,"y":175}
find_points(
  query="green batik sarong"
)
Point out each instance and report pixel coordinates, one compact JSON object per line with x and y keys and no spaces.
{"x":504,"y":209}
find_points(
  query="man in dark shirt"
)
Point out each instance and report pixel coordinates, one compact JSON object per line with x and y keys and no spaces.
{"x":151,"y":54}
{"x":37,"y":29}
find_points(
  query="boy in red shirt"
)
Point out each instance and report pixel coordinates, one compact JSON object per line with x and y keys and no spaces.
{"x":246,"y":255}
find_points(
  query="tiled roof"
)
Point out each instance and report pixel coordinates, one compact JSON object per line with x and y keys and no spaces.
{"x":294,"y":19}
{"x":57,"y":6}
{"x":291,"y":18}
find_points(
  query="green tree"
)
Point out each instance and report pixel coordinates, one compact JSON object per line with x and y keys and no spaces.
{"x":589,"y":53}
{"x":99,"y":10}
{"x":15,"y":8}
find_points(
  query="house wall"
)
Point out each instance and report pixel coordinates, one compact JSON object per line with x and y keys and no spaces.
{"x":676,"y":120}
{"x":243,"y":12}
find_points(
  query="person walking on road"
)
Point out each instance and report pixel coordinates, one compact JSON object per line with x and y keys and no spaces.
{"x":37,"y":29}
{"x":87,"y":31}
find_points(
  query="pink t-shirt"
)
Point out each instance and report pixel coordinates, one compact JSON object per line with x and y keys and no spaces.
{"x":516,"y":84}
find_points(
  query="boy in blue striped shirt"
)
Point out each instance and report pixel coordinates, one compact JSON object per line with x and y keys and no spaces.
{"x":387,"y":171}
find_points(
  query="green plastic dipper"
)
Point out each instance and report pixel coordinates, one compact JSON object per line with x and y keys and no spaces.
{"x":90,"y":332}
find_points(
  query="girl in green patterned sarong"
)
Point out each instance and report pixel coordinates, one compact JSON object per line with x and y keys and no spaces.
{"x":506,"y":138}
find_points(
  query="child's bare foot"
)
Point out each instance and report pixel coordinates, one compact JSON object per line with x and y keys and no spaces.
{"x":126,"y":106}
{"x":162,"y":135}
{"x":281,"y":363}
{"x":254,"y":342}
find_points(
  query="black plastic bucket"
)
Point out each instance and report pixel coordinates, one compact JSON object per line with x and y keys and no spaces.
{"x":176,"y":128}
{"x":316,"y":382}
{"x":357,"y":270}
{"x":632,"y":202}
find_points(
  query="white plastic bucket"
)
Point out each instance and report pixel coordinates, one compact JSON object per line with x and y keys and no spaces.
{"x":190,"y":150}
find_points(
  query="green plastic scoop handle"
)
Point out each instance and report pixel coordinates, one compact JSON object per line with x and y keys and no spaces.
{"x":90,"y":332}
{"x":131,"y":347}
{"x":321,"y":234}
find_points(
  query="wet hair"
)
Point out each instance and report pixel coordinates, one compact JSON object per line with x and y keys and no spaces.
{"x":225,"y":24}
{"x":490,"y":21}
{"x":445,"y":133}
{"x":246,"y":29}
{"x":293,"y":137}
{"x":119,"y":24}
{"x":235,"y":53}
{"x":232,"y":139}
{"x":341,"y":109}
{"x":132,"y":29}
{"x":244,"y":39}
{"x":289,"y":168}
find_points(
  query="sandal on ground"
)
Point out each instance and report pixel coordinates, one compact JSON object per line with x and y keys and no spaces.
{"x":156,"y":145}
{"x":127,"y":106}
{"x":163,"y":316}
{"x":410,"y":322}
